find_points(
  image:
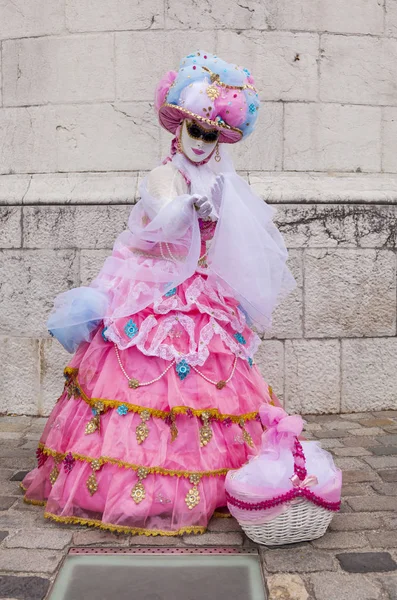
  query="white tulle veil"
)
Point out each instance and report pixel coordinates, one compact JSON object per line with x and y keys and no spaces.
{"x":247,"y":256}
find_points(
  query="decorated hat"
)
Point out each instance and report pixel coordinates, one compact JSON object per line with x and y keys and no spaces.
{"x":212,"y":91}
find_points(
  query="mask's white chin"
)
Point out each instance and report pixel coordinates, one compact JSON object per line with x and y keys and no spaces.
{"x":195,"y":150}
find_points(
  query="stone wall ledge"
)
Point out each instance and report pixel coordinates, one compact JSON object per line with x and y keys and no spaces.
{"x":274,"y":187}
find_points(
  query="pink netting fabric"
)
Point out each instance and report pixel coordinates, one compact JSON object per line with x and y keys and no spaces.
{"x":115,"y":443}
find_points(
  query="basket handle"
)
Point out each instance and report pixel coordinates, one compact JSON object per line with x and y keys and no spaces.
{"x":299,"y":460}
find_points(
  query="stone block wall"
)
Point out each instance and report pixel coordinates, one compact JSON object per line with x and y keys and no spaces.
{"x":78,"y":132}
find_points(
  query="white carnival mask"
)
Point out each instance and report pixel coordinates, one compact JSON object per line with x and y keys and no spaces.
{"x":197,"y":140}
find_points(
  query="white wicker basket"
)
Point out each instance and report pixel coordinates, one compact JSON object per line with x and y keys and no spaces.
{"x":300,"y":522}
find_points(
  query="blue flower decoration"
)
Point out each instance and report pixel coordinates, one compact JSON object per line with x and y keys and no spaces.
{"x":131,"y":329}
{"x":247,"y":72}
{"x":103,"y":334}
{"x":240,"y":338}
{"x":183,"y":369}
{"x":250,"y":361}
{"x":171,"y":293}
{"x":219,"y":120}
{"x":190,"y":56}
{"x":122,"y":410}
{"x":252,"y":108}
{"x":94,"y":411}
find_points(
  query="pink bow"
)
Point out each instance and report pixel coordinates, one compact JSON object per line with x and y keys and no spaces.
{"x":309,"y":481}
{"x":281,"y":428}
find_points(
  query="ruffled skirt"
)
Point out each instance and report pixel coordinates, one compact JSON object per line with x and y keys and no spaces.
{"x":156,"y":410}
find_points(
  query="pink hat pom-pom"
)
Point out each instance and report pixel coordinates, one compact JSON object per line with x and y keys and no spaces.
{"x":162,"y":88}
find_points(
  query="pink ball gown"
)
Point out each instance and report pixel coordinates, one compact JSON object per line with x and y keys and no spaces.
{"x":161,"y":399}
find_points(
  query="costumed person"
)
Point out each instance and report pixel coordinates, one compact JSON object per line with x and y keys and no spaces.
{"x":162,"y":395}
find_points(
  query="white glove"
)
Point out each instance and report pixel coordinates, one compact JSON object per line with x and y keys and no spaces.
{"x":202,"y":205}
{"x":216,"y":194}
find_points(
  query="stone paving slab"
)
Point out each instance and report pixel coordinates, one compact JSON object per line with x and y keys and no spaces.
{"x":39,"y":538}
{"x":366,"y":562}
{"x":340,"y":586}
{"x":298,"y":560}
{"x":389,"y":489}
{"x":389,"y":584}
{"x":22,"y":560}
{"x":382,"y":539}
{"x":388,"y":475}
{"x":341,"y":539}
{"x":21,"y":588}
{"x":287,"y":585}
{"x":362,"y":538}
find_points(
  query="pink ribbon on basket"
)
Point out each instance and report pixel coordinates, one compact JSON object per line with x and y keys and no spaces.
{"x":281,"y":429}
{"x":309,"y":481}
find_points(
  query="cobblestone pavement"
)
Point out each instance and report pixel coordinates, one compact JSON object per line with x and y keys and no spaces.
{"x":355,"y":560}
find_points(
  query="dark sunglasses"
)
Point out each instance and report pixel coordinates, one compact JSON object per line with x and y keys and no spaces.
{"x":197,"y":132}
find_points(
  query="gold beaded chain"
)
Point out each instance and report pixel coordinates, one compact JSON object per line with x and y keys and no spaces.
{"x":219,"y":384}
{"x":134,"y":383}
